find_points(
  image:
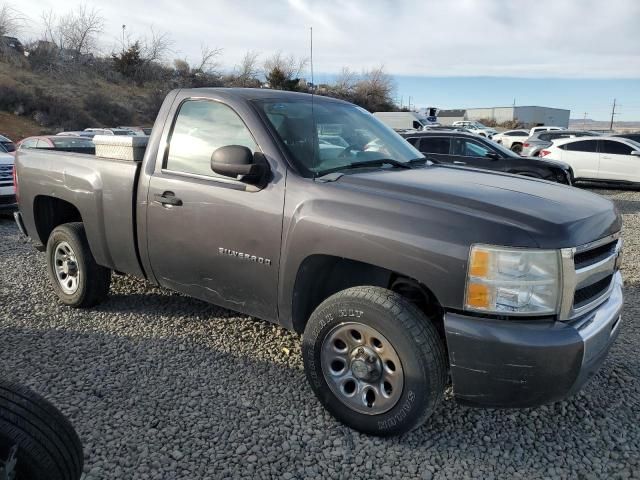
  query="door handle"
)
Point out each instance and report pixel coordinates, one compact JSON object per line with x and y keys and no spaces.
{"x":457,"y":162}
{"x":168,"y":198}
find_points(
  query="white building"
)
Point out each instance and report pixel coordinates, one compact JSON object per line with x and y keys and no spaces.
{"x":527,"y":115}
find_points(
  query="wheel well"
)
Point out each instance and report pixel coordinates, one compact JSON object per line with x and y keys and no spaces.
{"x":49,"y":212}
{"x":320,"y":276}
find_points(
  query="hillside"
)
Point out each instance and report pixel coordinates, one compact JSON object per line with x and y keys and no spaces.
{"x":17,"y":127}
{"x":33,"y":102}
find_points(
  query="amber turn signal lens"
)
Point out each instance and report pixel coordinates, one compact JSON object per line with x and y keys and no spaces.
{"x":478,"y":295}
{"x":479,"y":263}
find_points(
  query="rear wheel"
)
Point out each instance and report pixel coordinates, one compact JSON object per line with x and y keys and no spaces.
{"x":374,"y":360}
{"x":516,"y":148}
{"x":77,"y":279}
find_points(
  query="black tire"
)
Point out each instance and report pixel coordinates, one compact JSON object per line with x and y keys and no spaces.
{"x":48,"y":447}
{"x":415,"y":340}
{"x":516,"y":148}
{"x":93,"y":279}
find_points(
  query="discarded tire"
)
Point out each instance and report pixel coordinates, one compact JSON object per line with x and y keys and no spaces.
{"x":36,"y":441}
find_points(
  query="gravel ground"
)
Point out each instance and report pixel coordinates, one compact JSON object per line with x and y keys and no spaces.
{"x":161,"y":386}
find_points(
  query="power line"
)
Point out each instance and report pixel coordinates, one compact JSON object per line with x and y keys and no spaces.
{"x":613,"y":112}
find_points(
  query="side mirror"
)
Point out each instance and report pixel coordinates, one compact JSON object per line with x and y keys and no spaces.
{"x":636,"y":153}
{"x":493,"y":156}
{"x":237,"y":161}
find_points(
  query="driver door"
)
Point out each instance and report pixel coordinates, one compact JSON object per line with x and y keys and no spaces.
{"x":209,"y":236}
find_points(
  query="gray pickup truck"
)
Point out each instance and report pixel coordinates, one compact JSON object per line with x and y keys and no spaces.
{"x":401,"y":274}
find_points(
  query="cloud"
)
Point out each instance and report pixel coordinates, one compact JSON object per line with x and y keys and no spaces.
{"x":546,"y":38}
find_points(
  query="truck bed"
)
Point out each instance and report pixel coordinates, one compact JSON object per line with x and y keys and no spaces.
{"x":102,"y":190}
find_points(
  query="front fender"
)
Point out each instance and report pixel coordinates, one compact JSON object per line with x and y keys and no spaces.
{"x":421,"y":243}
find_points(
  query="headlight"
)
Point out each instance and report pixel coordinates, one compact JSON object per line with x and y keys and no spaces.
{"x":513,"y":281}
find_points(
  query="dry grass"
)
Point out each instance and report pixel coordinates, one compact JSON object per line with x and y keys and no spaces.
{"x":74,"y":88}
{"x":18,"y":127}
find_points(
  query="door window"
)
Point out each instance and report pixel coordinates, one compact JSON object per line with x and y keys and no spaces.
{"x":202,"y":127}
{"x":29,"y":143}
{"x":469,"y":148}
{"x":615,"y":148}
{"x":436,"y":145}
{"x":581,"y":146}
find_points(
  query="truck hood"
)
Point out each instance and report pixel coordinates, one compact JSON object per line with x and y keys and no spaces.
{"x":553,"y":215}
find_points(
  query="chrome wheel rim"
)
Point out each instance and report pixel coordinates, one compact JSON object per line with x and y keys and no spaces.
{"x":66,"y":268}
{"x":362,"y":368}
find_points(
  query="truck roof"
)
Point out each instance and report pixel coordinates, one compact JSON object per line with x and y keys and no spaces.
{"x":258,"y":94}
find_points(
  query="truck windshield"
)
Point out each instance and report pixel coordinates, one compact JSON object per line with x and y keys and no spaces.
{"x":333,"y":135}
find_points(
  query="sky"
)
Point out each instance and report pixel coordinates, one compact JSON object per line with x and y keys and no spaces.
{"x":576,"y":54}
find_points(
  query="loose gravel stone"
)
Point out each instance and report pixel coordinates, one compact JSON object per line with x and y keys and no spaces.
{"x":161,"y":386}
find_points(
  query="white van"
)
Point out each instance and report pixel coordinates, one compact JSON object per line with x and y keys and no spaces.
{"x":403,"y":120}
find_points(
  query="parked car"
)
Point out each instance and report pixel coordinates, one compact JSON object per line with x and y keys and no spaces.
{"x":137,"y":130}
{"x":399,"y":272}
{"x":59,"y":142}
{"x":631,"y":136}
{"x":13,"y":43}
{"x":476,"y":127}
{"x":7,"y":144}
{"x":7,"y":188}
{"x":543,"y":128}
{"x":471,"y":150}
{"x":512,"y":139}
{"x":78,"y":133}
{"x":110,"y":131}
{"x":602,"y":159}
{"x":541,"y":140}
{"x":435,"y":128}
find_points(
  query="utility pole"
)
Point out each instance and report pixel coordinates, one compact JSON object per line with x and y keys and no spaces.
{"x":409,"y":102}
{"x":613,"y":112}
{"x":123,"y":27}
{"x":584,"y":121}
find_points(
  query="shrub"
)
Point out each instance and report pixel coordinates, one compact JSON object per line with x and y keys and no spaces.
{"x":106,"y":111}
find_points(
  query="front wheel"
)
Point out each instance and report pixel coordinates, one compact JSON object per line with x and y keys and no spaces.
{"x":374,"y":360}
{"x":77,"y":279}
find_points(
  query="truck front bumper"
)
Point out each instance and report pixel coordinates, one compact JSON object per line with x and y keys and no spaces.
{"x":506,"y":363}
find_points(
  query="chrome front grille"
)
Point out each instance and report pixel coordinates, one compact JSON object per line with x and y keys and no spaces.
{"x":588,"y":273}
{"x":6,"y":175}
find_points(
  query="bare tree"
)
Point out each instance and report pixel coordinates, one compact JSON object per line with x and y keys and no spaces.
{"x":156,"y":47}
{"x":11,"y":20}
{"x":77,"y":30}
{"x":52,"y":29}
{"x":207,"y":62}
{"x":289,"y":65}
{"x":374,"y":90}
{"x":345,"y":83}
{"x":246,"y":72}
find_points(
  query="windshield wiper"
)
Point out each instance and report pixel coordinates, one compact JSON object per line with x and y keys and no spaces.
{"x":420,"y":160}
{"x":364,"y":164}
